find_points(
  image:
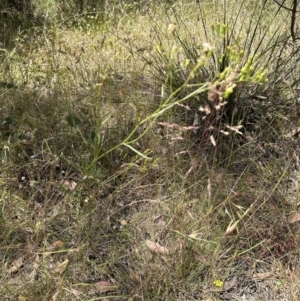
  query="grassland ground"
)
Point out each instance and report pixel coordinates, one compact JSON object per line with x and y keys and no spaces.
{"x":144,"y":159}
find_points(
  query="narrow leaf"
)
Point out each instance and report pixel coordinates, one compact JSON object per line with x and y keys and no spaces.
{"x":9,"y":121}
{"x":4,"y":85}
{"x":74,"y":121}
{"x":136,"y":151}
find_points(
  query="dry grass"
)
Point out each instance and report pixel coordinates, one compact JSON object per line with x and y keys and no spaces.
{"x":101,"y":199}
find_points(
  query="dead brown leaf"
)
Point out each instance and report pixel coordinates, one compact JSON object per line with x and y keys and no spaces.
{"x":56,"y":245}
{"x":231,"y":227}
{"x":190,"y":214}
{"x":208,"y":188}
{"x":294,"y":217}
{"x":235,"y":128}
{"x":102,"y":287}
{"x":220,"y":177}
{"x":36,"y":265}
{"x":123,"y":222}
{"x":76,"y":293}
{"x":157,"y":248}
{"x":54,"y":297}
{"x":71,"y":185}
{"x":16,"y":265}
{"x":60,"y":268}
{"x":262,"y":276}
{"x":212,"y":140}
{"x":177,"y":126}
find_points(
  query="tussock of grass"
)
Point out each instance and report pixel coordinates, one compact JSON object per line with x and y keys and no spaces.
{"x":115,"y":186}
